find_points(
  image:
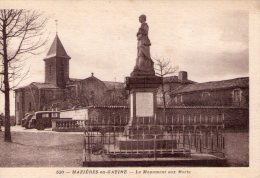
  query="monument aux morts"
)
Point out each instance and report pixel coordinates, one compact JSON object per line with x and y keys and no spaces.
{"x":141,"y":132}
{"x":147,"y":138}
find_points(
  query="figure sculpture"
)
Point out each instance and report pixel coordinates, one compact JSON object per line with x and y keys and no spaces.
{"x":144,"y":63}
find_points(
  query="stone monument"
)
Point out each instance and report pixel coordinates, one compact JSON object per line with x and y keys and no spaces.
{"x":144,"y":64}
{"x":147,"y":137}
{"x":143,"y":83}
{"x":142,"y":132}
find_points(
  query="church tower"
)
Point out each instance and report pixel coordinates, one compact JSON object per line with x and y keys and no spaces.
{"x":57,"y":64}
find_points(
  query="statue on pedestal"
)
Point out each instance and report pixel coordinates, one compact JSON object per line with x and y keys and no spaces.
{"x":144,"y":63}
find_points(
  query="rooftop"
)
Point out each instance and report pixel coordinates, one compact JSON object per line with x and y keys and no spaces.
{"x":215,"y":85}
{"x":57,"y":49}
{"x":114,"y":85}
{"x":40,"y":86}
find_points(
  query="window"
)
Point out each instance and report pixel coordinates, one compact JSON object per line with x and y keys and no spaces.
{"x":45,"y":115}
{"x":237,"y":95}
{"x":17,"y":105}
{"x":30,"y":106}
{"x":178,"y":99}
{"x":205,"y":94}
{"x":62,"y":71}
{"x":50,"y":70}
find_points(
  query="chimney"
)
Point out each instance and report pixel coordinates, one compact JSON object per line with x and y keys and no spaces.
{"x":183,"y":76}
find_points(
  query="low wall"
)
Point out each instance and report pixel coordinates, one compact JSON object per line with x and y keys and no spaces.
{"x":68,"y":125}
{"x":235,"y":118}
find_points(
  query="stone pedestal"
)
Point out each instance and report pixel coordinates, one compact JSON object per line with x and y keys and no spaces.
{"x":142,"y":132}
{"x":142,"y":99}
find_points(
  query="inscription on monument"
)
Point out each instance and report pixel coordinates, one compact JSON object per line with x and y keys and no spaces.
{"x":144,"y":104}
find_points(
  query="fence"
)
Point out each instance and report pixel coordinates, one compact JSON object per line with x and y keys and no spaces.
{"x":154,"y":138}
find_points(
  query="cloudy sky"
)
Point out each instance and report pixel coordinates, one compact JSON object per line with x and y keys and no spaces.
{"x":208,"y":39}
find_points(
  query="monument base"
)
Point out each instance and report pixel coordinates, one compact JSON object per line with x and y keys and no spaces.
{"x":143,"y":82}
{"x":138,"y":73}
{"x":146,"y":144}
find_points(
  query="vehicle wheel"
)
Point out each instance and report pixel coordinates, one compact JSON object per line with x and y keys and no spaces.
{"x":40,"y":126}
{"x":27,"y":125}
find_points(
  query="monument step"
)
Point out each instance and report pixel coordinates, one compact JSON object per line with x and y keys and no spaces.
{"x":146,"y":144}
{"x":115,"y":151}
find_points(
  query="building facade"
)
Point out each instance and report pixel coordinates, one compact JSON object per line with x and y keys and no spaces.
{"x":233,"y":92}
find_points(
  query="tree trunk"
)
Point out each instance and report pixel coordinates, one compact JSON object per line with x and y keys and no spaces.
{"x":6,"y":88}
{"x":164,"y":101}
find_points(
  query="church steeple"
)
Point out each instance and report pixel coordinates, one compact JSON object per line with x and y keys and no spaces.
{"x":57,"y":49}
{"x":57,"y":64}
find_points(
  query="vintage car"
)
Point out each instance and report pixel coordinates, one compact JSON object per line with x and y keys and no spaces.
{"x":41,"y":119}
{"x":26,"y":119}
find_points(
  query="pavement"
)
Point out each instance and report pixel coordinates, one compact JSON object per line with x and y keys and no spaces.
{"x":33,"y":148}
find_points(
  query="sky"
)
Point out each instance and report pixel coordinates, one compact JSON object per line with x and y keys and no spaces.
{"x":208,"y":39}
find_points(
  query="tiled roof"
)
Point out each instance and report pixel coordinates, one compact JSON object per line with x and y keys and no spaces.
{"x":109,"y":84}
{"x":44,"y":85}
{"x":75,"y":79}
{"x":216,"y":85}
{"x":40,"y":86}
{"x":57,"y":49}
{"x":114,"y":85}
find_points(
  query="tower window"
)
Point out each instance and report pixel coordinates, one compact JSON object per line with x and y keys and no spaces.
{"x":30,"y":106}
{"x":49,"y":69}
{"x":17,"y":104}
{"x":62,"y":71}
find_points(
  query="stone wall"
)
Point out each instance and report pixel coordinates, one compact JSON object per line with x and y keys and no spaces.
{"x":112,"y":113}
{"x":26,"y":101}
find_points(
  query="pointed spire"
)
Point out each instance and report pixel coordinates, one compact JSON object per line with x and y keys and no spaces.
{"x":57,"y":49}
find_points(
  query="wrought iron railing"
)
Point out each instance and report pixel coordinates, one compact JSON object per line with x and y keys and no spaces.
{"x":153,"y":138}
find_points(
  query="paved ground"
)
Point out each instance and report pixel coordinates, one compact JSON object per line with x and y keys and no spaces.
{"x":32,"y":148}
{"x":237,"y":148}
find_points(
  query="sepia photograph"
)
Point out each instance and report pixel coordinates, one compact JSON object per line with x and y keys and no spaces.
{"x":125,"y":84}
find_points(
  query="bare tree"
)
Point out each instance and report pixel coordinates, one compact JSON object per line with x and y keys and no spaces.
{"x":163,"y":68}
{"x":21,"y":35}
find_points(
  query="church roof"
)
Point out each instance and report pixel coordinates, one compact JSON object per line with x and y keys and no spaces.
{"x":57,"y":49}
{"x":39,"y":86}
{"x":114,"y":85}
{"x":44,"y":85}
